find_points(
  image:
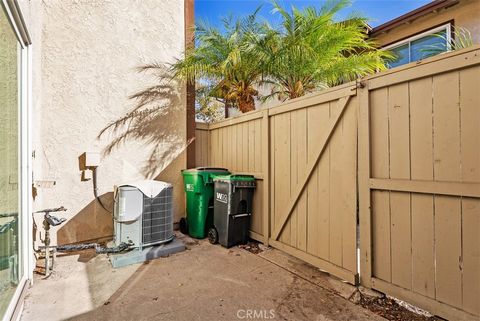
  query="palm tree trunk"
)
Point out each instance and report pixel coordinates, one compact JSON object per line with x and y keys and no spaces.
{"x":227,"y":106}
{"x":246,"y":104}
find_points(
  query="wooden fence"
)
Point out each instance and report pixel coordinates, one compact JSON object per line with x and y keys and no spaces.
{"x":405,"y":146}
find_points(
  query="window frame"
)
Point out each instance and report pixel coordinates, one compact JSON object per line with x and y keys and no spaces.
{"x":14,"y":16}
{"x":409,"y":40}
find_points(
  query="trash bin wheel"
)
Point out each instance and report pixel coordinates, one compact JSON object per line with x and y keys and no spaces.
{"x":213,"y":235}
{"x":184,"y":226}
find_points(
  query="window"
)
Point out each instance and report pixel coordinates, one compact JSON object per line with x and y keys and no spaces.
{"x":10,"y":221}
{"x":15,"y":242}
{"x":420,"y":46}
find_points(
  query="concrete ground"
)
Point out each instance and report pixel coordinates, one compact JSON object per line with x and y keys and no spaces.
{"x":205,"y":282}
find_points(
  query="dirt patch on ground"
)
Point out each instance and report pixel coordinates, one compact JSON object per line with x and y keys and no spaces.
{"x":252,"y":247}
{"x":392,"y":310}
{"x":386,"y":307}
{"x":299,"y":302}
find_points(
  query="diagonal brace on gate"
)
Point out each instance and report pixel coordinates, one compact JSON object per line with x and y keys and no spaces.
{"x":323,"y":142}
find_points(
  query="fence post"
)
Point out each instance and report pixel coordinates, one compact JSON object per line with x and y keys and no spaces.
{"x":266,"y":176}
{"x":363,"y":185}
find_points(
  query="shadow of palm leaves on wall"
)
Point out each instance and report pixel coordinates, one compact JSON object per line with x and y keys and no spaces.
{"x":153,"y":120}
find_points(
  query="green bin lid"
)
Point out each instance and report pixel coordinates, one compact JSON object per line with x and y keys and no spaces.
{"x":206,"y":169}
{"x":234,"y":177}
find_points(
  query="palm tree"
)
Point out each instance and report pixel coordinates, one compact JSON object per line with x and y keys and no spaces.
{"x":310,"y":50}
{"x":307,"y":52}
{"x":222,"y":61}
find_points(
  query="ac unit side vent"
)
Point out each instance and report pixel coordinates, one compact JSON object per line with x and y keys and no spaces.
{"x":158,"y":217}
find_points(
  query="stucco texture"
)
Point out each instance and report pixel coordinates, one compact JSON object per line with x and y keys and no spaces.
{"x":86,"y":53}
{"x":465,"y":14}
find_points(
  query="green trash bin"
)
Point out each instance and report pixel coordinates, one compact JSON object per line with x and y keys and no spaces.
{"x":198,"y":184}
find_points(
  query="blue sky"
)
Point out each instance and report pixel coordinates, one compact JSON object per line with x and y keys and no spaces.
{"x":379,"y":11}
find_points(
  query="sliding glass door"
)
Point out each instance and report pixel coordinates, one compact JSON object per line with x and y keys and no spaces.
{"x":11,"y":270}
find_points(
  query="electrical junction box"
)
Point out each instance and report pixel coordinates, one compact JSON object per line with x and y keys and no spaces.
{"x":89,"y":160}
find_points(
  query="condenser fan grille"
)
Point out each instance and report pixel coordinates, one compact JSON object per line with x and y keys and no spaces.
{"x":157,"y":217}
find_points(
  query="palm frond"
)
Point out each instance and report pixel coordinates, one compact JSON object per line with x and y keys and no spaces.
{"x":461,"y":38}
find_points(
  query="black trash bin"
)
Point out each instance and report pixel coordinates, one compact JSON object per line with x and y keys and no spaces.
{"x":232,"y":208}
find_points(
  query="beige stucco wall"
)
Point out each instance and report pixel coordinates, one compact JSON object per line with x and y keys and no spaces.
{"x":85,"y":53}
{"x":465,"y":14}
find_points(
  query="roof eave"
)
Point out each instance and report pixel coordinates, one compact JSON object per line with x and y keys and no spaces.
{"x":412,"y":15}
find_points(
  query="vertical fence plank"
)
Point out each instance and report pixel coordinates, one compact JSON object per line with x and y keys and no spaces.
{"x":470,"y":120}
{"x":235,"y":141}
{"x":245,"y":149}
{"x":446,"y":127}
{"x":379,"y":136}
{"x":381,"y":225}
{"x":213,"y":147}
{"x":323,"y":213}
{"x":233,"y":148}
{"x":256,"y":224}
{"x":216,"y":148}
{"x":225,"y":132}
{"x":232,"y":141}
{"x":471,"y":255}
{"x":252,"y":141}
{"x":401,"y":239}
{"x":379,"y":133}
{"x":221,"y":139}
{"x":198,"y":147}
{"x":447,"y":168}
{"x":421,"y":133}
{"x":226,"y":146}
{"x":365,"y":213}
{"x":349,"y":218}
{"x":239,"y":147}
{"x":399,"y":132}
{"x":336,"y":186}
{"x":470,"y":159}
{"x":273,"y":171}
{"x":421,"y":117}
{"x":265,"y":138}
{"x":399,"y":140}
{"x":301,"y":142}
{"x":259,"y":147}
{"x":448,"y":250}
{"x":283,"y":182}
{"x":294,"y":174}
{"x":423,"y":259}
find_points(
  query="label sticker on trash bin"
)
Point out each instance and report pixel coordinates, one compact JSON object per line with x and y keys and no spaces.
{"x":189,"y":187}
{"x":222,"y":197}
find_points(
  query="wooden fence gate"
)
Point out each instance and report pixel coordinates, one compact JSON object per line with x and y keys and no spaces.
{"x":313,"y":198}
{"x":420,"y":184}
{"x":405,"y":146}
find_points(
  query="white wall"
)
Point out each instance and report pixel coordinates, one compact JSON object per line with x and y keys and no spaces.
{"x":84,"y":61}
